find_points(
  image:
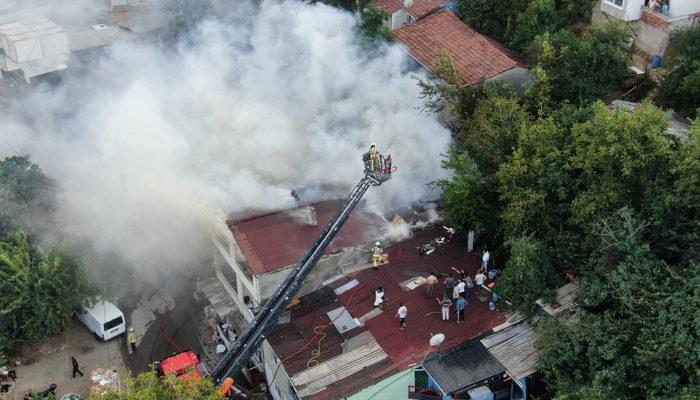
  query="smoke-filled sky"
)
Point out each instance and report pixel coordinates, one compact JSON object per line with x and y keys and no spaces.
{"x":152,"y":144}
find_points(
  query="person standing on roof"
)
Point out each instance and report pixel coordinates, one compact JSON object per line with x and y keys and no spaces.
{"x":460,"y":288}
{"x":445,"y":303}
{"x":401,"y":313}
{"x":461,"y":305}
{"x":430,"y":285}
{"x":485,"y":259}
{"x":131,"y":338}
{"x":449,"y":285}
{"x":379,"y":297}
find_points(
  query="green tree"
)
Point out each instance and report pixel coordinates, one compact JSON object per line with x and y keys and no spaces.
{"x":372,"y":25}
{"x":638,"y":327}
{"x":680,"y":85}
{"x":536,"y":191}
{"x":149,"y":386}
{"x":491,"y":134}
{"x":528,"y":275}
{"x":582,"y":69}
{"x":40,"y":291}
{"x":481,"y":15}
{"x":675,"y":205}
{"x":539,"y":17}
{"x":466,"y":206}
{"x":618,"y":156}
{"x":24,"y":193}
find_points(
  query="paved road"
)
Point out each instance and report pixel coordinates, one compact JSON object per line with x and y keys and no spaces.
{"x":159,"y":311}
{"x":49,"y":362}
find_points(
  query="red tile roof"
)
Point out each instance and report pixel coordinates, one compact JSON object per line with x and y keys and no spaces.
{"x":402,"y":347}
{"x":418,"y":9}
{"x":476,"y":56}
{"x":277,"y":240}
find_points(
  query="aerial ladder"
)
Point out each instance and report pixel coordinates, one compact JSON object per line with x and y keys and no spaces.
{"x":378,"y":170}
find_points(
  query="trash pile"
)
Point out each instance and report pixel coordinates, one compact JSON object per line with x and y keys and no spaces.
{"x":103,"y":380}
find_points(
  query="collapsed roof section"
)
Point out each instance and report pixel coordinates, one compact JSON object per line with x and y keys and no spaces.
{"x":273,"y":241}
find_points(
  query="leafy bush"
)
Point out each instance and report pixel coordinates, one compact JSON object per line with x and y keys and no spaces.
{"x":581,"y":69}
{"x":149,"y":385}
{"x":680,"y":86}
{"x":372,"y":25}
{"x":539,"y":17}
{"x":40,"y":291}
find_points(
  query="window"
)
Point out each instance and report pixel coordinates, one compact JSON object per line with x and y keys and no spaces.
{"x":111,"y":324}
{"x":616,"y":3}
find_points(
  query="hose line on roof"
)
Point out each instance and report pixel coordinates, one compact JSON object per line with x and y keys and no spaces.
{"x":316,"y":353}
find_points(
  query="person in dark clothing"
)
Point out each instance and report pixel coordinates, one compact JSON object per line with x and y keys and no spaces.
{"x":76,"y":367}
{"x":449,"y":285}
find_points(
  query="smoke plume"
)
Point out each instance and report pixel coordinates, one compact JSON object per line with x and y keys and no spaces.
{"x":150,"y":144}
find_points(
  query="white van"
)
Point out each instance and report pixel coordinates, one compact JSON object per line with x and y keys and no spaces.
{"x":103,"y":319}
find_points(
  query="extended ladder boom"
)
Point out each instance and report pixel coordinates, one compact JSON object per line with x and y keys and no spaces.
{"x":266,"y":319}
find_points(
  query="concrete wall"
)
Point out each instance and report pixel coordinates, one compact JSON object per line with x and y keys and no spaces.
{"x":328,"y":267}
{"x":281,"y":388}
{"x":399,"y":19}
{"x":654,"y":30}
{"x":246,"y":282}
{"x":389,"y":388}
{"x":683,"y":7}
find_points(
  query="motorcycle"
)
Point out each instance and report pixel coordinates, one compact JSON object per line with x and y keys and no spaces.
{"x":51,"y":391}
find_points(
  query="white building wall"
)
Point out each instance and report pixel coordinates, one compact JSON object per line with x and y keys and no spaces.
{"x":281,"y":387}
{"x":683,"y":7}
{"x":628,"y":10}
{"x":399,"y":19}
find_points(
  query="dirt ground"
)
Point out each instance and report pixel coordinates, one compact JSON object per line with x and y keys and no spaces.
{"x":49,"y":362}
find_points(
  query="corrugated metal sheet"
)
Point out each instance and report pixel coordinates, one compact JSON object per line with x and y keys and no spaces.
{"x":564,"y":304}
{"x":462,"y":367}
{"x":515,"y":349}
{"x":277,"y":240}
{"x":145,"y":23}
{"x":93,"y":38}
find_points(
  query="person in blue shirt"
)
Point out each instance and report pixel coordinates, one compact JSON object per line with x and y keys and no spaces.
{"x":461,"y":305}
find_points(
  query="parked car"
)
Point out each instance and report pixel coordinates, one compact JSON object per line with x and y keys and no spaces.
{"x":104,"y":319}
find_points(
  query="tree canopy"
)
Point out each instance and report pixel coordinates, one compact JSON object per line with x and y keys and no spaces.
{"x":372,"y":24}
{"x":581,"y":69}
{"x":149,"y":386}
{"x":40,"y":291}
{"x":24,"y":193}
{"x":680,"y":85}
{"x":576,"y":188}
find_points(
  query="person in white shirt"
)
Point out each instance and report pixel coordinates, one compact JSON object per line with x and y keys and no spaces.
{"x":379,"y":297}
{"x":460,"y":288}
{"x":401,"y":313}
{"x":480,"y":278}
{"x":485,"y":259}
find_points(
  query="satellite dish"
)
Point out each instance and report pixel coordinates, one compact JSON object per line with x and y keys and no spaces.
{"x":436,"y":339}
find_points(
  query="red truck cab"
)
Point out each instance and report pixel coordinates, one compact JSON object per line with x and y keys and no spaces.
{"x":185,"y":365}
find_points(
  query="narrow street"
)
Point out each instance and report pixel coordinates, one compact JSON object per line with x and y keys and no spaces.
{"x":165,"y":321}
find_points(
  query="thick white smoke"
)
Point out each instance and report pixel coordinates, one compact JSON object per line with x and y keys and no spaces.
{"x":152,"y":144}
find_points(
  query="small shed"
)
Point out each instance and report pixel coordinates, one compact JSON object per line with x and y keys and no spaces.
{"x":514,"y":348}
{"x":463,"y":367}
